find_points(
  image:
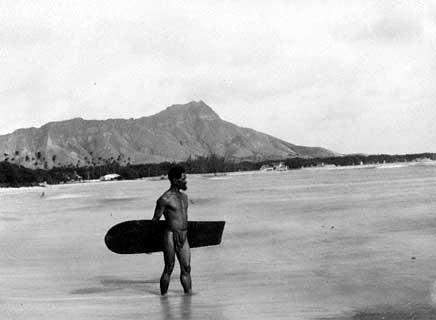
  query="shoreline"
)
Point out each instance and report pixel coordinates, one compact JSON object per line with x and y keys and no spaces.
{"x":390,"y":165}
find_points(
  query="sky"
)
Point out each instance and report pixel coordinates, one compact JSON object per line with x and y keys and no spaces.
{"x":351,"y":76}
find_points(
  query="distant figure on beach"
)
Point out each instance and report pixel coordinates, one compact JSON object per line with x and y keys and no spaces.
{"x":43,"y":194}
{"x":173,"y":204}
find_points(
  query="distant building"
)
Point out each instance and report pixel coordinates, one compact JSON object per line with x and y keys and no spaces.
{"x":275,"y":167}
{"x":267,"y":167}
{"x":110,"y":177}
{"x":76,"y":177}
{"x":280,"y":167}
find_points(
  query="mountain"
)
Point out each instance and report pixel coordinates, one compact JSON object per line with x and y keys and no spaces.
{"x":175,"y":134}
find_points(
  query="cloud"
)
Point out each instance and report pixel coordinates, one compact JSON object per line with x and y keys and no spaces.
{"x":397,"y":28}
{"x":311,"y":72}
{"x":383,"y":22}
{"x":24,"y":37}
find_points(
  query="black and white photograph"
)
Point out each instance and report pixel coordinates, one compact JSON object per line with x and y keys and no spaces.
{"x":221,"y":160}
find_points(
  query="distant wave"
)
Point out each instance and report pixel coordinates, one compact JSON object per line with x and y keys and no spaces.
{"x":203,"y":201}
{"x":392,"y":166}
{"x":119,"y":199}
{"x":220,"y":178}
{"x":10,"y":219}
{"x":67,"y":196}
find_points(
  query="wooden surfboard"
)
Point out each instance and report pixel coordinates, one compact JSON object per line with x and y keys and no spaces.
{"x":146,"y":236}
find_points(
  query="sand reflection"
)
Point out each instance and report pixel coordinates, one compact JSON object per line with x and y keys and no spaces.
{"x":176,"y":307}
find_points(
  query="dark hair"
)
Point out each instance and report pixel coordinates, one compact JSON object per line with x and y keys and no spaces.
{"x":175,"y":172}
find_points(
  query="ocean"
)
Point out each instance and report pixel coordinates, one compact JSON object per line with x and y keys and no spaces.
{"x":300,"y":244}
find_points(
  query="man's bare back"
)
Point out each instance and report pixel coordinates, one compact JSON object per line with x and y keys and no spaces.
{"x":173,"y":205}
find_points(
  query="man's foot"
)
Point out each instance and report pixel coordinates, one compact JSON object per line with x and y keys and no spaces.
{"x":189,"y":292}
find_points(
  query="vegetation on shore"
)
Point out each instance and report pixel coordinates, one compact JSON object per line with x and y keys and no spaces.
{"x":14,"y":175}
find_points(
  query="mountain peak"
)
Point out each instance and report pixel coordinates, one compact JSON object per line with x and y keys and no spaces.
{"x":193,"y":108}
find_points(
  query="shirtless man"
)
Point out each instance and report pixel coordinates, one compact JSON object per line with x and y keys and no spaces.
{"x":173,"y":204}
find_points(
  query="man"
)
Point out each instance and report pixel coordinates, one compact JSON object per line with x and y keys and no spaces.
{"x":173,"y":204}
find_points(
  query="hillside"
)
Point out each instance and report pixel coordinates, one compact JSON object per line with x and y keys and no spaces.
{"x":175,"y":134}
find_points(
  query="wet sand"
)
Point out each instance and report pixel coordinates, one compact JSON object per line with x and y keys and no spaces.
{"x":333,"y":244}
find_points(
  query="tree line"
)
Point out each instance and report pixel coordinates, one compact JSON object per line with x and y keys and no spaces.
{"x":40,"y":160}
{"x":14,"y":175}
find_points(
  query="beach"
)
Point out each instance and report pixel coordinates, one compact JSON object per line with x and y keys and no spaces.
{"x":299,"y":244}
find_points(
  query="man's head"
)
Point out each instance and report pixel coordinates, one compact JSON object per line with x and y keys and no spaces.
{"x":177,"y":177}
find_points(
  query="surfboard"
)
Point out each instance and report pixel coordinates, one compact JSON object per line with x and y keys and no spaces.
{"x":146,"y":236}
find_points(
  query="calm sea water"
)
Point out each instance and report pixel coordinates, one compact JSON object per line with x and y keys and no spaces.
{"x":303,"y":244}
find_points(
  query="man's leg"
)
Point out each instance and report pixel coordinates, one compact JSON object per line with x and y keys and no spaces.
{"x":184,"y":257}
{"x":168,"y":254}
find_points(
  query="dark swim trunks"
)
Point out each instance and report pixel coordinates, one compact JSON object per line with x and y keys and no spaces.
{"x":180,"y":238}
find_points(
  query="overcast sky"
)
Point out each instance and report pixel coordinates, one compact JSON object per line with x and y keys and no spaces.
{"x":351,"y":76}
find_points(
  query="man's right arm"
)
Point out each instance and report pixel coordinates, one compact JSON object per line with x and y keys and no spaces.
{"x":159,"y":210}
